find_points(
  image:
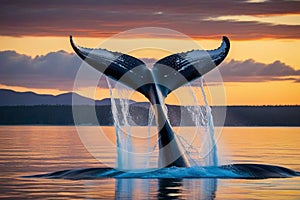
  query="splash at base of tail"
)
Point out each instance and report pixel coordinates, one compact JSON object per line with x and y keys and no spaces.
{"x":234,"y":171}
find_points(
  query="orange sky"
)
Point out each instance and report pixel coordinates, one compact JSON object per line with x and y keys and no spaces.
{"x":237,"y":93}
{"x":264,"y":31}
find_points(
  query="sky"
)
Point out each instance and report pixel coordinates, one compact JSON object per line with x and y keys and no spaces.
{"x":262,"y":68}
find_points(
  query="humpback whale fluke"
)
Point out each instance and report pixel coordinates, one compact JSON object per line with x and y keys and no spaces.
{"x":155,"y":84}
{"x":182,"y":67}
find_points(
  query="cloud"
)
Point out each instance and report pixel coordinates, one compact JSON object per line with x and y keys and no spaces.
{"x":251,"y":71}
{"x":54,"y":70}
{"x":149,"y":61}
{"x":105,"y":18}
{"x":58,"y":70}
{"x":272,"y":20}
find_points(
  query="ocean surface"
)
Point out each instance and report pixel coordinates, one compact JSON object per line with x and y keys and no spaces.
{"x":31,"y":150}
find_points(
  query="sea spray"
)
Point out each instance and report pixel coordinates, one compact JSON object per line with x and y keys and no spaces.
{"x":197,"y":153}
{"x":203,"y":153}
{"x":212,"y":157}
{"x":149,"y":146}
{"x":125,"y":160}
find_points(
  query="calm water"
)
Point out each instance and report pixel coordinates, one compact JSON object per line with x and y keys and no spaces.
{"x":28,"y":150}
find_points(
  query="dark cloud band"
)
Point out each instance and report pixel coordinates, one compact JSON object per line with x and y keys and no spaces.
{"x":105,"y":18}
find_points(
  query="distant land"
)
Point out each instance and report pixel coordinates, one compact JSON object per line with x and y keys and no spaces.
{"x":12,"y":98}
{"x":28,"y":108}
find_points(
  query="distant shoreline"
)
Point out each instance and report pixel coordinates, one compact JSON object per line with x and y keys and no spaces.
{"x":236,"y":116}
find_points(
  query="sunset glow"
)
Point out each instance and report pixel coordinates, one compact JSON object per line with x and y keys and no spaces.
{"x":260,"y":38}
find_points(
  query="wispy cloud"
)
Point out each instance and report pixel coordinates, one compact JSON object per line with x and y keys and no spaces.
{"x":256,"y":1}
{"x":292,"y":20}
{"x":104,"y":18}
{"x":251,"y":71}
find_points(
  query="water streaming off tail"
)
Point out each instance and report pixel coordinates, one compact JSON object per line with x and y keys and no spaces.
{"x":120,"y":111}
{"x":134,"y":151}
{"x":212,"y":157}
{"x":200,"y":151}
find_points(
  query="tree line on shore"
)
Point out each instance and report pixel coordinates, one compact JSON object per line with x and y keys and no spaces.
{"x":179,"y":116}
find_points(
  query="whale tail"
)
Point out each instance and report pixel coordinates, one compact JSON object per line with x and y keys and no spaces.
{"x":167,"y":74}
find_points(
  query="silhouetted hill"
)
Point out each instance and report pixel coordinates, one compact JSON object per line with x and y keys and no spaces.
{"x":12,"y":98}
